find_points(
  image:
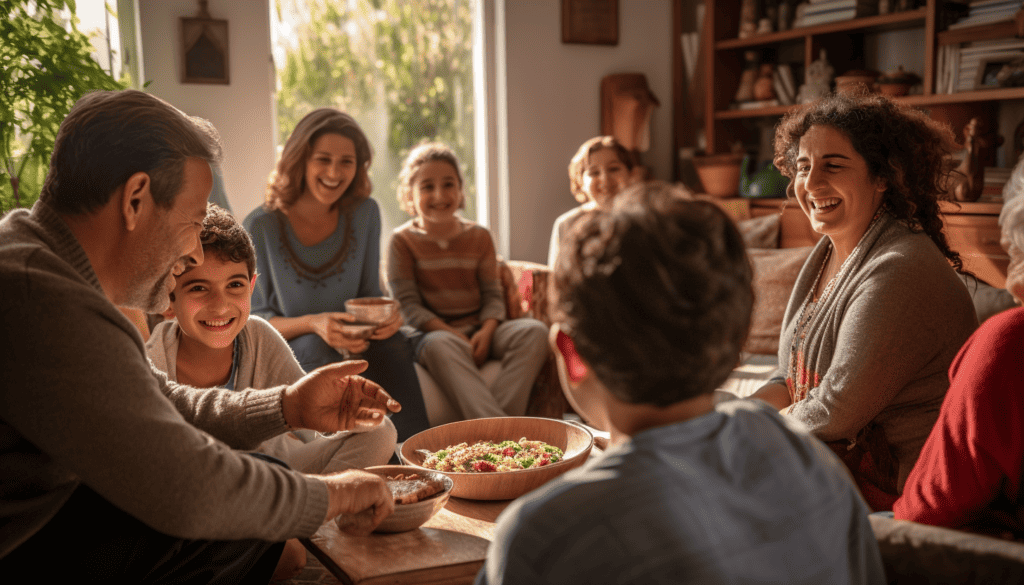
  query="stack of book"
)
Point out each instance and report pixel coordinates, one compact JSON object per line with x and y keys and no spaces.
{"x":987,"y":12}
{"x":825,"y":11}
{"x":970,"y":67}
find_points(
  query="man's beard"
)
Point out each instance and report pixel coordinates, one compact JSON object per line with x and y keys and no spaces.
{"x":149,"y":295}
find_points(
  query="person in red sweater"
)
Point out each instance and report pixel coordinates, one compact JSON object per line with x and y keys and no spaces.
{"x":970,"y":472}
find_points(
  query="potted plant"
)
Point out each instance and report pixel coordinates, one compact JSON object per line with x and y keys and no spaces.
{"x":47,"y":66}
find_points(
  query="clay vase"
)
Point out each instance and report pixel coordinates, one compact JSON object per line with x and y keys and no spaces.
{"x":764,"y":88}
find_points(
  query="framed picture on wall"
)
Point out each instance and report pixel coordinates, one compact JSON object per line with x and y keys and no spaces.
{"x":591,"y":22}
{"x":204,"y":55}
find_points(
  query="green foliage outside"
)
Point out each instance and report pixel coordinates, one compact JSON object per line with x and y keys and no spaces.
{"x":402,"y":68}
{"x":47,"y":65}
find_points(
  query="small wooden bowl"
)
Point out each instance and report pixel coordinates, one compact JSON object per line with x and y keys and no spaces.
{"x":357,"y":329}
{"x":374,"y":310}
{"x":408,"y":517}
{"x":574,"y":441}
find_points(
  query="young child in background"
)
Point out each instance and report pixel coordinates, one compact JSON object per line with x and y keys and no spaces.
{"x":689,"y":491}
{"x":444,"y":271}
{"x":600,"y":170}
{"x":213,"y":341}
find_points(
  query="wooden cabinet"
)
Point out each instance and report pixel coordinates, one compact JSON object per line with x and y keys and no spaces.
{"x":971,"y":228}
{"x":845,"y":43}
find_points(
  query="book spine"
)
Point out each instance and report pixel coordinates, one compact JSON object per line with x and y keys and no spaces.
{"x":827,"y":18}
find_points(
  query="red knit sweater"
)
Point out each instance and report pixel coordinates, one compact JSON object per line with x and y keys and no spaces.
{"x":970,"y":470}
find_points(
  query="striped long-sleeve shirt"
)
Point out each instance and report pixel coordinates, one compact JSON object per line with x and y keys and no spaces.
{"x":455,"y":280}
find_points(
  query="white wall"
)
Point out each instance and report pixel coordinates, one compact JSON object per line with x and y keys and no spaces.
{"x":553,"y":98}
{"x":554,"y":105}
{"x":241,"y":111}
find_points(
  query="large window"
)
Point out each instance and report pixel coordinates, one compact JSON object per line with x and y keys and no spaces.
{"x":45,"y":74}
{"x":401,"y":68}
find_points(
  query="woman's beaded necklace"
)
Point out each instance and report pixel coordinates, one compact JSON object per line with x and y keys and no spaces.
{"x":801,"y":377}
{"x":333,"y":266}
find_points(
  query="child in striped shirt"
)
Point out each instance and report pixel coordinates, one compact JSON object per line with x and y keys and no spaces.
{"x":444,"y":270}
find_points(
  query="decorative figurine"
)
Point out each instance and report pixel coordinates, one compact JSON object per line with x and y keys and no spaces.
{"x":785,"y":15}
{"x":745,"y":91}
{"x":817,"y":81}
{"x":764,"y":87}
{"x":967,"y":181}
{"x":748,"y":18}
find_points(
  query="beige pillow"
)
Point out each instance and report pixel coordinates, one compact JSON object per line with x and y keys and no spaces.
{"x":775,"y":273}
{"x":760,"y":232}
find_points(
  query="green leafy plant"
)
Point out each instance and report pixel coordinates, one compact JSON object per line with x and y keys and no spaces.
{"x":47,"y":65}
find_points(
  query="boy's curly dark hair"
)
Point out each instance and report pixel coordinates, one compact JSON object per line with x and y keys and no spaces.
{"x":656,"y":294}
{"x":225,"y":238}
{"x":901,"y":145}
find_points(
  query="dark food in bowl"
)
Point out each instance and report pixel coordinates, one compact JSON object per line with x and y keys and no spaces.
{"x":409,"y":489}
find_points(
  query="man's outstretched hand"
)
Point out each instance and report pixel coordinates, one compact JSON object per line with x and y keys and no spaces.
{"x":333,"y":398}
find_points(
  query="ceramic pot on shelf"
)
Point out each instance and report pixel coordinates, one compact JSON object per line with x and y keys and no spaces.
{"x":719,"y":173}
{"x":857,"y":82}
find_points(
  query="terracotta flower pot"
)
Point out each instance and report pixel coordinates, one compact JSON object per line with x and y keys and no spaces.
{"x":719,"y":173}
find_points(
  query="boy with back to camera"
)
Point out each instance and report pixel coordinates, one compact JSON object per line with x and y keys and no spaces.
{"x":652,"y":305}
{"x":212,"y":341}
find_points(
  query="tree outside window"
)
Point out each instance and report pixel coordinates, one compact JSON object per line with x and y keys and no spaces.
{"x":53,"y":52}
{"x":401,"y":68}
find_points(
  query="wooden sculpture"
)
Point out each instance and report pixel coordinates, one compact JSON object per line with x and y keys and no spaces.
{"x":967,"y":181}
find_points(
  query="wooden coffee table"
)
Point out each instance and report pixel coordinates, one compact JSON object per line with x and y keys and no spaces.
{"x":449,"y":548}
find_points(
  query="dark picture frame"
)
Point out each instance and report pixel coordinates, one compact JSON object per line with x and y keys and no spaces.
{"x":204,"y":51}
{"x":590,"y":22}
{"x":985,"y":77}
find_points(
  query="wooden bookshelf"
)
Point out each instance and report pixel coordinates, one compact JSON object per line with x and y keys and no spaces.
{"x":722,"y":63}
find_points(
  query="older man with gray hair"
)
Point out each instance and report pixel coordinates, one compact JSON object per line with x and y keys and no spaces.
{"x":108,"y":471}
{"x":969,"y":475}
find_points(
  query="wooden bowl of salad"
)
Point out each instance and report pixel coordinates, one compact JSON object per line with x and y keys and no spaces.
{"x":520,"y":454}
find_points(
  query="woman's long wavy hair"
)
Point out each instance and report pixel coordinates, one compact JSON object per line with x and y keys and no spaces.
{"x":287,"y":181}
{"x":901,"y":145}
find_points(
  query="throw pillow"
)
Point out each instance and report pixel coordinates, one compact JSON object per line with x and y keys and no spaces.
{"x":775,"y":273}
{"x":760,"y":232}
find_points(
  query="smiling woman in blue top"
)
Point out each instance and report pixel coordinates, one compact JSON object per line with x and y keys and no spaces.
{"x":317,"y":242}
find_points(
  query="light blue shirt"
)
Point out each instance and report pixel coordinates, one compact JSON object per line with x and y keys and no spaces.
{"x":739,"y":495}
{"x":281,"y":291}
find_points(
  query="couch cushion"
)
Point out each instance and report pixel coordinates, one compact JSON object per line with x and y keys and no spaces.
{"x":760,"y":232}
{"x":775,"y":273}
{"x":917,"y":553}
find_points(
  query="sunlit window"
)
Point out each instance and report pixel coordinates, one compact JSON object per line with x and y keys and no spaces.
{"x":402,"y":68}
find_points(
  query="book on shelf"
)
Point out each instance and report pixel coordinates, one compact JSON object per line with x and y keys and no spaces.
{"x":981,"y":19}
{"x":1003,"y":45}
{"x":754,"y":105}
{"x":970,"y":64}
{"x":827,"y":5}
{"x":825,"y":18}
{"x":863,"y":7}
{"x":986,"y":3}
{"x":813,"y":14}
{"x":1009,"y":8}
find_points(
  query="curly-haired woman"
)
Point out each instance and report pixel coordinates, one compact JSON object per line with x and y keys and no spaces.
{"x":317,"y":242}
{"x":878,"y":311}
